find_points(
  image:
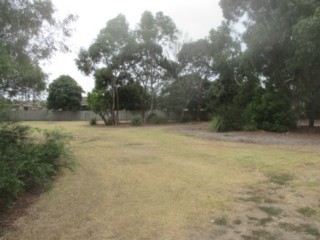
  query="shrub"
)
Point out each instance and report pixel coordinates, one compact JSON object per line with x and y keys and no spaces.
{"x":29,"y":159}
{"x":93,"y":121}
{"x":217,"y":124}
{"x":4,"y":110}
{"x":271,"y":112}
{"x":232,"y":119}
{"x":250,"y":127}
{"x":136,"y":121}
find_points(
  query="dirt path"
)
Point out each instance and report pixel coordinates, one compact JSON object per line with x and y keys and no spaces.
{"x":258,"y":137}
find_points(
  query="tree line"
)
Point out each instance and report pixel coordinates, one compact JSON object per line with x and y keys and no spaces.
{"x":264,"y":77}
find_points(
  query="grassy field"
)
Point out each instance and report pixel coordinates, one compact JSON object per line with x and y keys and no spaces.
{"x":152,"y":183}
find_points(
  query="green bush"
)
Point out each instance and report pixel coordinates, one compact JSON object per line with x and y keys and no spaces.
{"x":250,"y":127}
{"x":274,"y":127}
{"x":232,"y":119}
{"x":271,"y":112}
{"x":93,"y":121}
{"x":30,"y":158}
{"x":217,"y":124}
{"x":136,"y":121}
{"x":4,"y":110}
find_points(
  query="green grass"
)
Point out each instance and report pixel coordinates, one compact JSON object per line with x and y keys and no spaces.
{"x":152,"y":183}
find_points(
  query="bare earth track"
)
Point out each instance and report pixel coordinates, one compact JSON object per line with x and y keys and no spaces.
{"x":301,"y":136}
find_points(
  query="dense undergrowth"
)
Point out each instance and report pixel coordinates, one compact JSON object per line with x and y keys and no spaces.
{"x":30,"y":158}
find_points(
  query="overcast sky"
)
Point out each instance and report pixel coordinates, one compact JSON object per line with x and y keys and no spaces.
{"x":193,"y":17}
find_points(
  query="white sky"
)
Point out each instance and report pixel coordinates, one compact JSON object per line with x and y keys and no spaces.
{"x":193,"y":17}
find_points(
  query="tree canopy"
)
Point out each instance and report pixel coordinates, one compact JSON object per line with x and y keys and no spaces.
{"x":264,"y":77}
{"x":64,"y":94}
{"x":29,"y":32}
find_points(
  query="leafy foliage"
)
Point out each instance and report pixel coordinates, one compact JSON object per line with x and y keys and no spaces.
{"x":93,"y":121}
{"x":270,"y":112}
{"x":217,"y":124}
{"x":29,"y":33}
{"x":64,"y":94}
{"x":100,"y":102}
{"x":29,"y":161}
{"x":282,"y":41}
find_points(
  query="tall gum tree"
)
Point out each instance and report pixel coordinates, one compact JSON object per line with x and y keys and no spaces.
{"x":283,"y":42}
{"x":106,"y":53}
{"x":147,"y":62}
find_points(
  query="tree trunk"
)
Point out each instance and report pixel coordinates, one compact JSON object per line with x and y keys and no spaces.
{"x":182,"y":116}
{"x":117,"y":116}
{"x":113,"y":118}
{"x":312,"y":113}
{"x":198,"y":113}
{"x":103,"y":118}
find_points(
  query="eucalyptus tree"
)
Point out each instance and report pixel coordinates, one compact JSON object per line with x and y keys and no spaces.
{"x":106,"y":52}
{"x":306,"y":62}
{"x":225,"y":50}
{"x":29,"y":33}
{"x":147,"y":62}
{"x":283,"y":42}
{"x":195,"y":70}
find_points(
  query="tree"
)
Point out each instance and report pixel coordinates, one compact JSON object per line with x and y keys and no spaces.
{"x":131,"y":96}
{"x":306,"y":62}
{"x":145,"y":56}
{"x":195,"y":62}
{"x":100,"y":102}
{"x":28,"y":33}
{"x":105,"y":53}
{"x":283,"y":42}
{"x":64,"y":94}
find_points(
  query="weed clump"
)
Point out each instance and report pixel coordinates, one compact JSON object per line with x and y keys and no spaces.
{"x":93,"y":121}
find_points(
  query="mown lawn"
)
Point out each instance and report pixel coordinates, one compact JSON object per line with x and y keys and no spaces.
{"x":152,"y":183}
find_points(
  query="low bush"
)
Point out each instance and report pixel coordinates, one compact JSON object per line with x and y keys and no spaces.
{"x":270,"y":112}
{"x":93,"y":121}
{"x":29,"y":158}
{"x":136,"y":121}
{"x":217,"y":124}
{"x":251,"y":127}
